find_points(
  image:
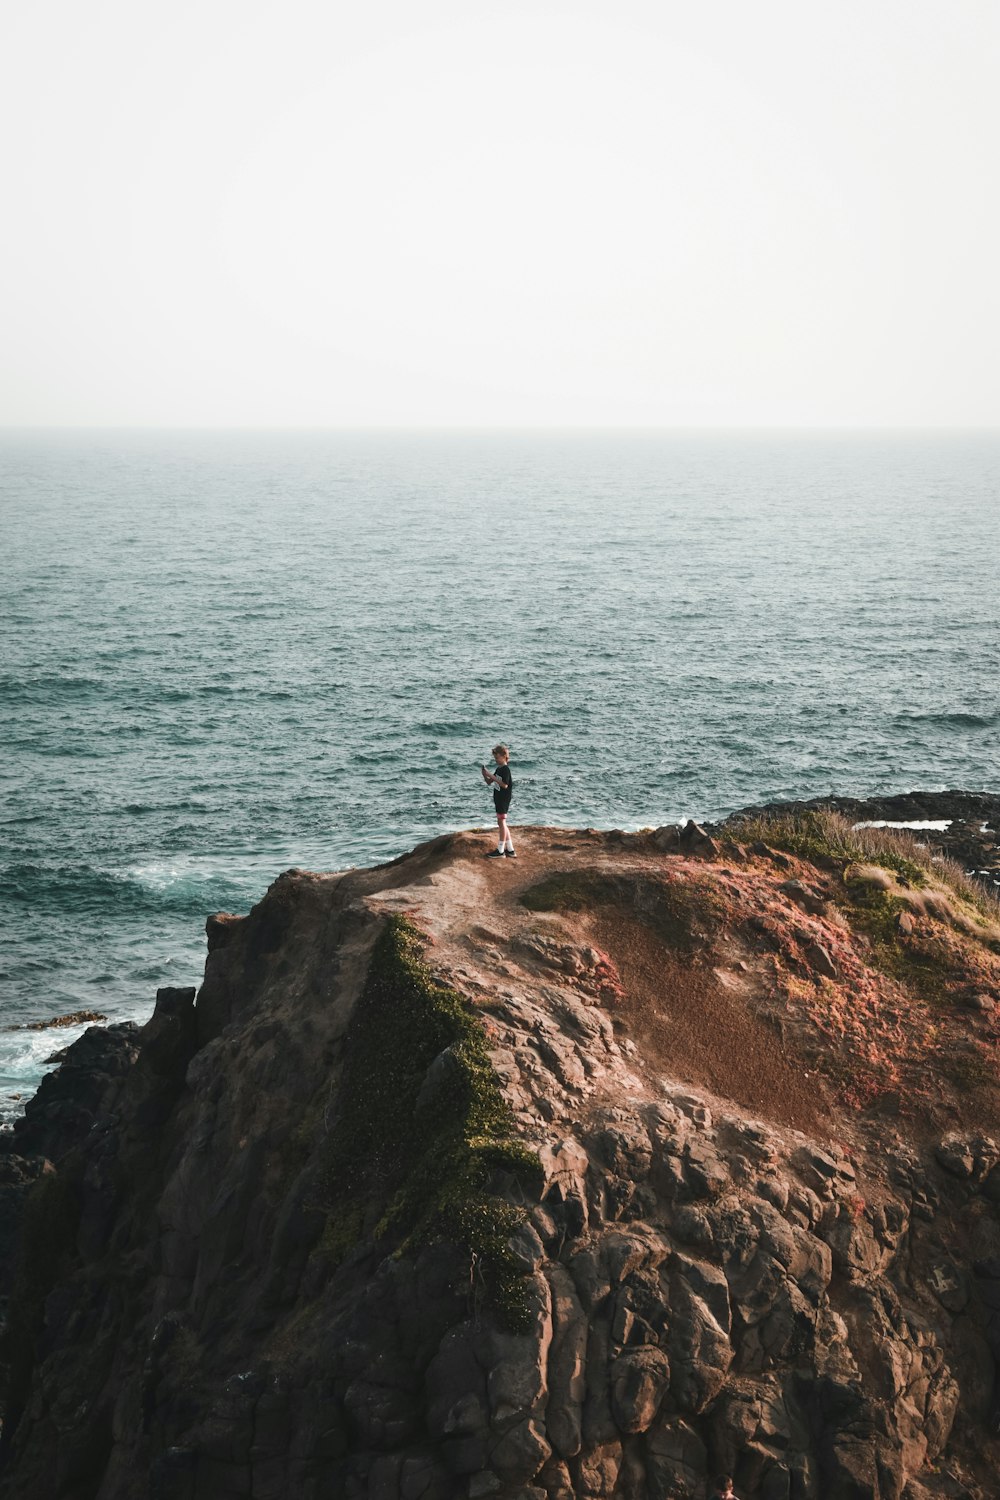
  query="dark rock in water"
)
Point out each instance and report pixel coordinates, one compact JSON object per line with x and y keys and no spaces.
{"x":973,"y":808}
{"x":70,"y":1100}
{"x":74,"y":1018}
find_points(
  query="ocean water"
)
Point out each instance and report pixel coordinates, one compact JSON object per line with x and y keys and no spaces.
{"x":227,"y":653}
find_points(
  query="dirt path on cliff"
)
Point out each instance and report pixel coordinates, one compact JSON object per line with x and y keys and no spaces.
{"x":692,"y":1023}
{"x":686,"y":1020}
{"x":696,"y":1026}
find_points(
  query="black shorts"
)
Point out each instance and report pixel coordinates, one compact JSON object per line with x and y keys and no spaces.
{"x":501,"y":801}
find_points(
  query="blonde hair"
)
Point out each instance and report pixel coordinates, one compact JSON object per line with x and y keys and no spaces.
{"x":500,"y":750}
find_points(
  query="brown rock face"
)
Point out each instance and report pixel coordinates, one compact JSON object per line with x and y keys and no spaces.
{"x":707,"y":1257}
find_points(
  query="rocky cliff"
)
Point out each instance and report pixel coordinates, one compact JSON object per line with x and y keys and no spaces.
{"x":589,"y":1174}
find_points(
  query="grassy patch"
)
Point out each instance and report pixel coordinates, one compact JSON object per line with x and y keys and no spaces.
{"x":984,"y":904}
{"x":827,"y":835}
{"x":927,"y":966}
{"x":427,"y":1147}
{"x":875,"y":909}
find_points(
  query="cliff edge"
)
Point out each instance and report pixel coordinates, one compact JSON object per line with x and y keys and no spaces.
{"x":590,"y":1174}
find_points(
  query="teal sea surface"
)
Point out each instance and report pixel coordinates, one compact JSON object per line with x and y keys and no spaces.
{"x":226,"y":653}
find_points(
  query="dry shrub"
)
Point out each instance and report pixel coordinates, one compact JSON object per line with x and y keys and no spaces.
{"x":829,"y":835}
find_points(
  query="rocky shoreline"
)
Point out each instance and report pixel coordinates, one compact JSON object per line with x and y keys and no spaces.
{"x":643,"y":1157}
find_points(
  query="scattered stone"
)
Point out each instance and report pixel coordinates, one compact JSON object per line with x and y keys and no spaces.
{"x":821,"y":1170}
{"x":694,"y":838}
{"x":810,"y":900}
{"x":820,"y":959}
{"x":764,"y":851}
{"x":773,"y":1190}
{"x":967,"y":1156}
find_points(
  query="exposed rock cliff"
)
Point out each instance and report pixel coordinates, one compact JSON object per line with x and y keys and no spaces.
{"x":593,"y":1174}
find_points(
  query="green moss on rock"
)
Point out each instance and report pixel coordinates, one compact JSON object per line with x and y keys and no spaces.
{"x":425,"y":1143}
{"x":874,"y":908}
{"x":926,"y":967}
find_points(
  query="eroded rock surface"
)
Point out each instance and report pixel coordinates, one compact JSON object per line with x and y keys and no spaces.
{"x":806,"y":1295}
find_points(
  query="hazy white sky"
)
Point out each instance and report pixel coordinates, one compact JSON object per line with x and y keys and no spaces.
{"x":325,"y":214}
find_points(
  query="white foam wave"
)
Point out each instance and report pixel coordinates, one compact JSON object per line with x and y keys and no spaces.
{"x":244,"y":871}
{"x":23,"y":1053}
{"x":938,"y":824}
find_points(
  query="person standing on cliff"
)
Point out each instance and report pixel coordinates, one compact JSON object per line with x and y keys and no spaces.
{"x":502,"y":783}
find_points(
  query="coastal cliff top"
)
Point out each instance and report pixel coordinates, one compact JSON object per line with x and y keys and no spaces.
{"x":581,"y":1176}
{"x":821,"y":991}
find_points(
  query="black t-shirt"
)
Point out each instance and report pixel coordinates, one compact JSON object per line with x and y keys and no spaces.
{"x":503,"y":785}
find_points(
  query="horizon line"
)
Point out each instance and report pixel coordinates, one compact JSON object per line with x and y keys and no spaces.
{"x":474,"y":427}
